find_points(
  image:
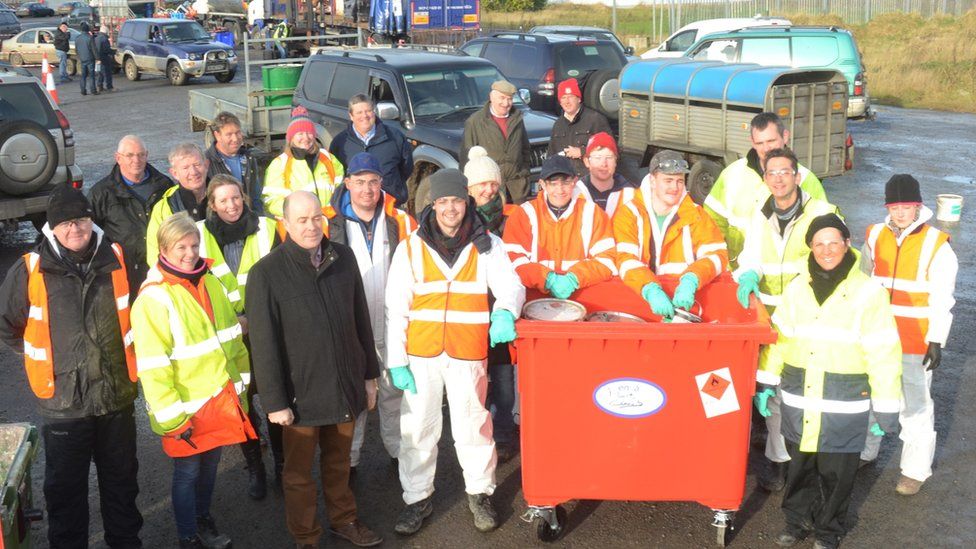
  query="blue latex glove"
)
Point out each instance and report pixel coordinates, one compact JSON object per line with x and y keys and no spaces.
{"x":502,"y":329}
{"x":684,"y":294}
{"x":748,"y":284}
{"x":402,"y":379}
{"x":761,"y":400}
{"x":561,"y":286}
{"x":660,"y":302}
{"x":877,"y":431}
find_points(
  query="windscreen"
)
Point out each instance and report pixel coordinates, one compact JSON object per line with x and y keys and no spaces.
{"x":440,"y":92}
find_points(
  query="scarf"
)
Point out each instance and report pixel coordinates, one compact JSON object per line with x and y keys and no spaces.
{"x":785,"y":216}
{"x":226,"y":233}
{"x":824,"y":282}
{"x":491,"y":213}
{"x":79,"y":261}
{"x":310,"y":157}
{"x":193,"y":276}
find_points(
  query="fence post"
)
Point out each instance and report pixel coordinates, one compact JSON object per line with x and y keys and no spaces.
{"x":867,"y":11}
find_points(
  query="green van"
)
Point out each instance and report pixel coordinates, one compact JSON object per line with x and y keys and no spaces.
{"x":793,"y":46}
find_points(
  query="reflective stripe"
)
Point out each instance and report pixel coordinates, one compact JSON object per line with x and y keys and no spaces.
{"x":457,"y":317}
{"x":281,"y":191}
{"x":628,"y":248}
{"x":608,"y":264}
{"x":444,"y":286}
{"x":220,"y":270}
{"x":671,"y":268}
{"x":882,"y":338}
{"x":192,"y":351}
{"x":168,"y":413}
{"x":228,"y":334}
{"x":687,"y":246}
{"x":602,"y":246}
{"x":519,"y":261}
{"x":36,"y":313}
{"x":770,"y":300}
{"x":776,"y":269}
{"x":825,"y":333}
{"x":906,"y":311}
{"x":768,"y":378}
{"x":35,"y":353}
{"x":812,"y":404}
{"x":245,"y":377}
{"x":515,"y":248}
{"x":240,"y":387}
{"x":885,"y":406}
{"x":586,"y":229}
{"x":914,"y":286}
{"x":145,"y":363}
{"x":628,"y":265}
{"x":122,"y":302}
{"x":534,"y":225}
{"x":716,"y":262}
{"x":128,"y":338}
{"x":705,"y":249}
{"x":242,"y":278}
{"x":716,"y":206}
{"x":234,"y":296}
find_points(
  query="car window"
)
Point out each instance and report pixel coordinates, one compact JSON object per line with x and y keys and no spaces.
{"x":814,"y":51}
{"x":126,"y":31}
{"x":26,"y":101}
{"x":349,"y":80}
{"x":27,"y":38}
{"x":499,"y":53}
{"x":766,"y":51}
{"x":682,"y":41}
{"x":575,"y":60}
{"x":473,"y":49}
{"x":380,"y":89}
{"x":444,"y":91}
{"x":183,"y":32}
{"x":317,"y":79}
{"x":716,"y":50}
{"x":46,"y":37}
{"x":525,"y":62}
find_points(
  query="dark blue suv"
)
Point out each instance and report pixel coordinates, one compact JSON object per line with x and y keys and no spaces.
{"x":178,"y":49}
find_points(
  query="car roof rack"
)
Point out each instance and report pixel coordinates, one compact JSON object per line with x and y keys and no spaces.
{"x":435,"y":48}
{"x":521,"y":36}
{"x":786,"y":28}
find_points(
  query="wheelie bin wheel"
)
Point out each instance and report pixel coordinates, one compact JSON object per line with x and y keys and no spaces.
{"x":724,"y":526}
{"x":550,"y":532}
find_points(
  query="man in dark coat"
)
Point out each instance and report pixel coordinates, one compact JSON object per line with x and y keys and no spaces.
{"x":122,"y":201}
{"x":573,"y":129}
{"x":314,"y":359}
{"x":85,"y":50}
{"x":62,"y":45}
{"x":386,"y":143}
{"x":500,"y":130}
{"x":59,"y":307}
{"x":229,"y":155}
{"x":103,"y":54}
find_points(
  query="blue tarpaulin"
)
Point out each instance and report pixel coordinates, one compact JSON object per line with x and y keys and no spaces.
{"x":389,"y":16}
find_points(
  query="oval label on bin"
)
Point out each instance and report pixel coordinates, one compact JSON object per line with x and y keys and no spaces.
{"x":629,"y":397}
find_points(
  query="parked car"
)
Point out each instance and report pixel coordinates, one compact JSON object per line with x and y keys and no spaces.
{"x":538,"y":62}
{"x":678,"y":43}
{"x":68,"y":7}
{"x":9,"y":24}
{"x":82,"y":14}
{"x":34,"y":9}
{"x":177,"y":49}
{"x":798,"y":47}
{"x":585,"y":32}
{"x":29,"y":46}
{"x":38,"y":150}
{"x":427,"y":95}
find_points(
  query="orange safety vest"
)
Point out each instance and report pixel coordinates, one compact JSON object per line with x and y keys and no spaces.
{"x":903,"y":271}
{"x":449,"y":311}
{"x":38,"y":350}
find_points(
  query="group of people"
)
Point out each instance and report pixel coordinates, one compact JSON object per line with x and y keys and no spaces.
{"x":308,"y":286}
{"x":93,"y":53}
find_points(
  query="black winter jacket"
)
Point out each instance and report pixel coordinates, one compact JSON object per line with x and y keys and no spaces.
{"x":391,"y":149}
{"x":62,"y":40}
{"x":253,"y":175}
{"x":311,"y":337}
{"x":90,"y":374}
{"x":124,"y":218}
{"x":577,"y":133}
{"x":103,"y":48}
{"x":85,"y":48}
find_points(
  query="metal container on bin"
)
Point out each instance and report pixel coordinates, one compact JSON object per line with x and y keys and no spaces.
{"x":626,"y":392}
{"x":18,"y":448}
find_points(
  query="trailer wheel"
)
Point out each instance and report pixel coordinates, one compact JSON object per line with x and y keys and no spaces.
{"x":701,"y":179}
{"x":548,"y":533}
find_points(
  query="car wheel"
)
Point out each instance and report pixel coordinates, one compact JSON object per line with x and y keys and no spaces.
{"x":601,"y":92}
{"x":701,"y":178}
{"x":28,"y":157}
{"x":131,"y":70}
{"x":72,"y":67}
{"x":16,"y":59}
{"x":176,"y":75}
{"x":225,"y":77}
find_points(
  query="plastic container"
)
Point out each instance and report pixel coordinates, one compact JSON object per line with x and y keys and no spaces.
{"x":18,"y":448}
{"x":280,"y":78}
{"x":644,"y":412}
{"x":225,"y":37}
{"x":948,"y":207}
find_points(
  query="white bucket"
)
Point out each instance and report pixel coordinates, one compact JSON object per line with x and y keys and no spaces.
{"x":948,"y":207}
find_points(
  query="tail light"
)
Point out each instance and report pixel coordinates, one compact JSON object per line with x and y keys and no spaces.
{"x":859,"y":84}
{"x":849,"y":152}
{"x":69,"y":135}
{"x":548,"y":84}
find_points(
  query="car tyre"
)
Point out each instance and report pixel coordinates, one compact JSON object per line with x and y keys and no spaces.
{"x":601,"y":92}
{"x":16,"y":59}
{"x":72,"y":67}
{"x":175,"y":73}
{"x":28,"y":157}
{"x":131,"y":69}
{"x":225,"y":77}
{"x":701,"y":179}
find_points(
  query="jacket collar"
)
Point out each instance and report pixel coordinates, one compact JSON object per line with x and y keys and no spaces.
{"x":301,"y":256}
{"x":924,"y":216}
{"x":156,"y":178}
{"x":379,"y":134}
{"x":104,"y":259}
{"x":804,"y":198}
{"x":752,"y":161}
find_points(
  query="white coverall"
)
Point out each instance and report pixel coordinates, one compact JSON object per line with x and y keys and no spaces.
{"x":465,"y":381}
{"x":917,"y":416}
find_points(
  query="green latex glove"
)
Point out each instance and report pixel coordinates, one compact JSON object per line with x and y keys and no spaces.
{"x":402,"y":379}
{"x":748,"y":284}
{"x":684,"y":294}
{"x":561,"y":286}
{"x":877,"y":431}
{"x":659,"y":301}
{"x":761,"y":400}
{"x":502,"y":328}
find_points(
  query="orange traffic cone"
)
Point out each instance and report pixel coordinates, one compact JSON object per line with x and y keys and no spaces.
{"x":48,"y":78}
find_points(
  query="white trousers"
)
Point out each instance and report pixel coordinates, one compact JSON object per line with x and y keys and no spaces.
{"x":421,"y":418}
{"x":775,"y":443}
{"x":388,"y":404}
{"x":917,"y":419}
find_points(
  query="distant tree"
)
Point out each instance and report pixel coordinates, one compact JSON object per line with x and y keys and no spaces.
{"x":514,"y":5}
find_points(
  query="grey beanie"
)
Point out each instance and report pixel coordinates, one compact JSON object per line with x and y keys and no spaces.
{"x":449,"y":182}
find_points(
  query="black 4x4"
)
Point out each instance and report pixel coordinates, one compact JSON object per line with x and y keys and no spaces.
{"x":538,"y":62}
{"x":427,"y":95}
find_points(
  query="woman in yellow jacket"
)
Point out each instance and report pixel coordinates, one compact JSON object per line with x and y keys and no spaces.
{"x":193,"y":367}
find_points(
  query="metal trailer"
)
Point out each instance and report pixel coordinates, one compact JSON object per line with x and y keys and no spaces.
{"x":703,"y":109}
{"x":18,"y":449}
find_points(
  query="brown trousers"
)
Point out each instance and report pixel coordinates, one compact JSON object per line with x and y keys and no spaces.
{"x":301,"y":494}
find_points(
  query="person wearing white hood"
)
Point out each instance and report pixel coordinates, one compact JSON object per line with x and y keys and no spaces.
{"x":916,"y":264}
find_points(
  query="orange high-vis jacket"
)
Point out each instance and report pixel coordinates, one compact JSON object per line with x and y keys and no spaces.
{"x":38,"y":349}
{"x":904,"y":271}
{"x":579,"y":242}
{"x":691,"y":243}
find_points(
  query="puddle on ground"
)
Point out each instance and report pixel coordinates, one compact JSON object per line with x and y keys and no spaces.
{"x":961,"y":179}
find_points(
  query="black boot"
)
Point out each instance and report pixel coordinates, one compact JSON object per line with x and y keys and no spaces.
{"x":257,"y":486}
{"x":279,"y":466}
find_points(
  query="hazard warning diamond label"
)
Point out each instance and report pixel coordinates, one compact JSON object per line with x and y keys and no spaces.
{"x":717,"y":392}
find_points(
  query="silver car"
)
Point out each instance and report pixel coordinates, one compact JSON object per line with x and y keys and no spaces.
{"x":29,"y":46}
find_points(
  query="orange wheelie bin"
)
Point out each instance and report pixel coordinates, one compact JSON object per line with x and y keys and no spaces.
{"x":645,"y":411}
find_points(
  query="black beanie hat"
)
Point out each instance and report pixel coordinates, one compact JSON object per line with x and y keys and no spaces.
{"x":826,"y":221}
{"x":902,"y":189}
{"x":65,"y":203}
{"x":449,"y":182}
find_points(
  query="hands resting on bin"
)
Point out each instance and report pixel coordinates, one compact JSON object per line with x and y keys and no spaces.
{"x":662,"y":305}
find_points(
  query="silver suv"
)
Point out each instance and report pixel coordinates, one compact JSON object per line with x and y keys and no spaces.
{"x":37,"y":150}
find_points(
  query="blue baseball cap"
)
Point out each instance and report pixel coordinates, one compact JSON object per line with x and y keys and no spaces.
{"x":364,"y":162}
{"x":557,"y":164}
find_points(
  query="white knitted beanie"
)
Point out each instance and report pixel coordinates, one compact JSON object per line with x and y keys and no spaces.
{"x":481,"y":167}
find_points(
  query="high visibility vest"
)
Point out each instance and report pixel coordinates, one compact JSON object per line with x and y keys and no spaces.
{"x":167,"y":205}
{"x":256,"y":246}
{"x":449,"y":310}
{"x":185,"y":359}
{"x":903,"y":271}
{"x":286,"y":175}
{"x":38,"y":350}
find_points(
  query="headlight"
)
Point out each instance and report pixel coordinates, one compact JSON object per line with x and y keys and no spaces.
{"x":194,"y":56}
{"x":231,"y":53}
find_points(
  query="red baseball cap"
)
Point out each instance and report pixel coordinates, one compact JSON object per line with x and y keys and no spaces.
{"x":601,"y":140}
{"x":570,"y":86}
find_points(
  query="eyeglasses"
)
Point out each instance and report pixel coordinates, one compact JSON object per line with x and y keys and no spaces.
{"x":781,"y":173}
{"x":130,"y":156}
{"x":81,"y":222}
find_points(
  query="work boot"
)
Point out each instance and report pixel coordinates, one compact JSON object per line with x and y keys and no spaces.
{"x":412,"y":517}
{"x":257,"y":483}
{"x":789,"y":537}
{"x":279,"y":465}
{"x":775,"y":478}
{"x":101,"y":89}
{"x":908,"y":486}
{"x":357,"y":534}
{"x":208,"y":534}
{"x":485,"y":518}
{"x":191,"y":543}
{"x":824,"y":544}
